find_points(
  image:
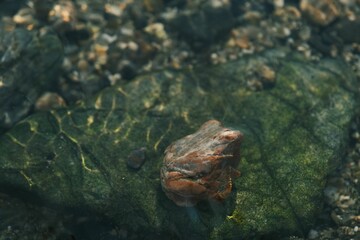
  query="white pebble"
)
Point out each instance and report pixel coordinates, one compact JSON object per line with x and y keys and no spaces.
{"x":313,"y":234}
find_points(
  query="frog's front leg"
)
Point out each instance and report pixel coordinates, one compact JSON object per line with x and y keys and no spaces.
{"x":183,"y":191}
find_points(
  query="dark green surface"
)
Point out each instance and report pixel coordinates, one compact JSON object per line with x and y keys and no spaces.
{"x":295,"y":134}
{"x":29,"y":65}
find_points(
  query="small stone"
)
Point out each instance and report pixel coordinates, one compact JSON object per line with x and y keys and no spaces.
{"x":321,"y":12}
{"x":156,"y":29}
{"x":42,"y":8}
{"x":128,"y":70}
{"x":100,"y":49}
{"x":48,"y":101}
{"x":83,"y":65}
{"x":133,"y":46}
{"x":136,"y":158}
{"x":348,"y":31}
{"x":313,"y":234}
{"x":278,"y":3}
{"x":114,"y":78}
{"x":101,"y":53}
{"x":24,"y":16}
{"x":113,"y":9}
{"x":267,"y":73}
{"x":203,"y":24}
{"x":305,"y":33}
{"x":127,"y":31}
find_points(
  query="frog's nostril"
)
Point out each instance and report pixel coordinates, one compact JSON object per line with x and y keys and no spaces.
{"x":230,"y":135}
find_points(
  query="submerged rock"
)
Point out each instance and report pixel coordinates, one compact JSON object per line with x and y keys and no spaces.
{"x":296,"y":133}
{"x":136,"y":158}
{"x":29,"y":61}
{"x":202,"y":23}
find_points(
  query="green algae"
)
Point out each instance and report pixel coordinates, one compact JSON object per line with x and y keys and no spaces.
{"x":295,"y":133}
{"x":29,"y":63}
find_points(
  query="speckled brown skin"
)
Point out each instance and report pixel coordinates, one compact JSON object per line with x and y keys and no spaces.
{"x":202,"y":165}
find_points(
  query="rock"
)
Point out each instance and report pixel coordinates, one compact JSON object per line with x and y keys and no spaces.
{"x":348,"y":30}
{"x":296,"y":132}
{"x":202,"y":24}
{"x":26,"y":58}
{"x":136,"y":158}
{"x":321,"y":12}
{"x":9,"y":8}
{"x":42,"y":9}
{"x":48,"y":101}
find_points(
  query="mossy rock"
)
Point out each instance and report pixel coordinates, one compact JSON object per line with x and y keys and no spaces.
{"x":30,"y":60}
{"x":296,"y":132}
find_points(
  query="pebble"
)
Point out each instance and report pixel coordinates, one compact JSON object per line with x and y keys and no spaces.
{"x":267,"y":73}
{"x":136,"y":158}
{"x":313,"y":234}
{"x":156,"y":29}
{"x":278,"y":3}
{"x":48,"y":101}
{"x":321,"y":12}
{"x":348,"y":30}
{"x":24,"y":16}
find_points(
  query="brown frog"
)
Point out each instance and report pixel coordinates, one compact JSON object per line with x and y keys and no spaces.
{"x":202,"y":165}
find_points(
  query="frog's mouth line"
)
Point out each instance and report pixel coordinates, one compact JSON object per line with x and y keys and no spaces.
{"x":207,"y":165}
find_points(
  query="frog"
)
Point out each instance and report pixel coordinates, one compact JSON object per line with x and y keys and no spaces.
{"x":202,"y":166}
